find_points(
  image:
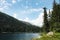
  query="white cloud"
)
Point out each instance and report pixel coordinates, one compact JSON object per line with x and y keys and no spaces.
{"x":13,"y":1}
{"x":39,"y":20}
{"x":4,"y":8}
{"x":15,"y":15}
{"x":3,"y":1}
{"x":36,"y":10}
{"x":4,"y":5}
{"x":48,"y":11}
{"x":1,"y":9}
{"x":26,"y":19}
{"x":29,"y":11}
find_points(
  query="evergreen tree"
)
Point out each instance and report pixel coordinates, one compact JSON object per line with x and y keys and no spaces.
{"x":55,"y":17}
{"x":46,"y":24}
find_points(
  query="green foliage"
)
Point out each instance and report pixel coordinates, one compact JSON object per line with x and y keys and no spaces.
{"x":53,"y":23}
{"x":55,"y":17}
{"x":46,"y":24}
{"x":56,"y":36}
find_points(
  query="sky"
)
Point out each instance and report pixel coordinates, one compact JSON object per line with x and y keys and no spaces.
{"x":26,"y":10}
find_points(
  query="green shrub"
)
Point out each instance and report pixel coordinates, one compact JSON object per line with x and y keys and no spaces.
{"x":56,"y":36}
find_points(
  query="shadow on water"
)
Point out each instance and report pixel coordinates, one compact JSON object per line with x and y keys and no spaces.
{"x":18,"y":36}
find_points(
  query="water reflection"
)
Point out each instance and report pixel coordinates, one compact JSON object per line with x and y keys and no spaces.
{"x":18,"y":36}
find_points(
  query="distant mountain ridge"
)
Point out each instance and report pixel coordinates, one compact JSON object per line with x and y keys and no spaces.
{"x":10,"y":24}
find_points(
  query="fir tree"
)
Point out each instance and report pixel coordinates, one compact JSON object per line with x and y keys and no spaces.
{"x":55,"y":17}
{"x":46,"y":24}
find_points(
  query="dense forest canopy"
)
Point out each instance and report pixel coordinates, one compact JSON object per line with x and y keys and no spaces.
{"x":53,"y":23}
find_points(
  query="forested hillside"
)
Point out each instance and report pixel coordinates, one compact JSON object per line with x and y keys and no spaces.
{"x":10,"y":24}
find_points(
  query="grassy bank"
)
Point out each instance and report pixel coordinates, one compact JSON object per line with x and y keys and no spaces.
{"x":56,"y":36}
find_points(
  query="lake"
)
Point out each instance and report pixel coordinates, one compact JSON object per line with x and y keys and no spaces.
{"x":18,"y":36}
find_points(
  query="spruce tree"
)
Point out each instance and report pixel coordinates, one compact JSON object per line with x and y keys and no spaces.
{"x":55,"y":17}
{"x":46,"y":24}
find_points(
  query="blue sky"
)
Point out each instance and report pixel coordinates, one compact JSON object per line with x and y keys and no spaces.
{"x":26,"y":10}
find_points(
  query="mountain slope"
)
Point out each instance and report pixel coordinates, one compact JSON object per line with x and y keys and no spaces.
{"x":10,"y":24}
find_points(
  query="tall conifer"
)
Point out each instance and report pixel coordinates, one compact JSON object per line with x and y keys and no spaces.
{"x":46,"y":24}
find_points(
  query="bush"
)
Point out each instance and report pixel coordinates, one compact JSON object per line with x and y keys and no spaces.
{"x":56,"y":36}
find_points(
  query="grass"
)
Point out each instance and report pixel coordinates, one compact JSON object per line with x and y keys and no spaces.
{"x":56,"y":36}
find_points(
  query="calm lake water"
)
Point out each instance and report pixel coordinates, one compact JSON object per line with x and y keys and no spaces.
{"x":18,"y":36}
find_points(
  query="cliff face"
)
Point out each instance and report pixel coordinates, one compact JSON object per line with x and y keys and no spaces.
{"x":10,"y":24}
